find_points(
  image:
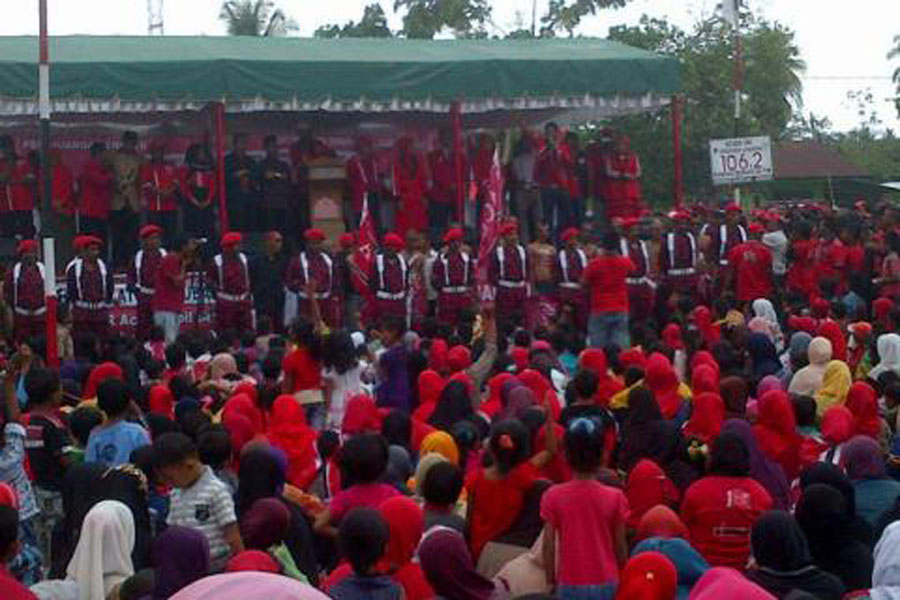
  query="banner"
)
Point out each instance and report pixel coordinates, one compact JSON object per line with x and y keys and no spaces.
{"x":199,"y":304}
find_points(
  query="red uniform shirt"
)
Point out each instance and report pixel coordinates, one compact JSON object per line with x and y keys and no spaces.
{"x":95,"y":190}
{"x":362,"y":178}
{"x":144,"y":270}
{"x":452,"y":270}
{"x":229,"y":275}
{"x":26,"y":291}
{"x":390,"y":275}
{"x":802,"y":275}
{"x":606,"y":277}
{"x":550,"y":169}
{"x":199,"y":187}
{"x":62,"y":190}
{"x":16,"y":189}
{"x":160,"y":183}
{"x":752,"y":264}
{"x":636,"y":250}
{"x":318,"y":267}
{"x":678,"y":253}
{"x":570,"y":265}
{"x":169,"y":294}
{"x":722,"y":238}
{"x":443,"y":176}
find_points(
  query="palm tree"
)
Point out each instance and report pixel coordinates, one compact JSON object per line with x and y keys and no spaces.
{"x":255,"y":18}
{"x":895,"y":53}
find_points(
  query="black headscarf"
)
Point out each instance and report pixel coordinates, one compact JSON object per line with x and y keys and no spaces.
{"x":763,"y":354}
{"x":778,"y":542}
{"x":453,"y":406}
{"x":397,"y":429}
{"x":730,"y":456}
{"x":822,"y":514}
{"x":830,"y":474}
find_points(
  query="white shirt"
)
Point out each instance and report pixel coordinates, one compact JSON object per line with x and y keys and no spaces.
{"x":777,"y":243}
{"x":343,"y":387}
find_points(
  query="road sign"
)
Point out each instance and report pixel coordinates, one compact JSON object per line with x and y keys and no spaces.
{"x":740,"y":160}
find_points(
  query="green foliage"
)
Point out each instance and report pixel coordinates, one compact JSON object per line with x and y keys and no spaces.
{"x":426,"y":18}
{"x":565,"y":15}
{"x":772,"y":89}
{"x":257,"y":18}
{"x":373,"y":24}
{"x":894,"y":54}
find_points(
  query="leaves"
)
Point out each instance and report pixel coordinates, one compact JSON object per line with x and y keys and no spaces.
{"x":373,"y":24}
{"x":424,"y":19}
{"x":567,"y":14}
{"x":258,"y":18}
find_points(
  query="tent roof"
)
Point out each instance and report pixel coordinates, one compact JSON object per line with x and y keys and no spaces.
{"x":147,"y":74}
{"x":812,"y":160}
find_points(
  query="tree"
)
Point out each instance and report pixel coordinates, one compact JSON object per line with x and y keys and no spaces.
{"x":895,"y":53}
{"x":426,"y":18}
{"x":373,"y":24}
{"x":258,"y":18}
{"x":772,"y":89}
{"x":567,"y":14}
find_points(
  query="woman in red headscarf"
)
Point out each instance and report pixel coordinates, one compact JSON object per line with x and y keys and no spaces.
{"x":707,"y":417}
{"x":648,"y":486}
{"x":608,"y":385}
{"x":776,"y":431}
{"x":671,"y":336}
{"x":540,"y":387}
{"x":862,"y":401}
{"x":623,"y":174}
{"x":430,"y":386}
{"x":160,"y":401}
{"x":244,"y":405}
{"x":831,"y":331}
{"x":410,"y":181}
{"x":99,"y":374}
{"x":704,"y":378}
{"x":709,"y":331}
{"x":289,"y":432}
{"x":648,"y":576}
{"x":660,"y":378}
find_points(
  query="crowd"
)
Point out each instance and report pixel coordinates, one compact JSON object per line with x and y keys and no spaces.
{"x":690,"y":405}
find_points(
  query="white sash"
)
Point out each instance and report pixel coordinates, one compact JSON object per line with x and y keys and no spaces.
{"x":78,"y":263}
{"x":17,"y":270}
{"x":723,"y":240}
{"x":564,"y":263}
{"x":379,"y":263}
{"x":670,"y":243}
{"x":446,"y":262}
{"x":501,"y":260}
{"x":304,"y":266}
{"x":219,"y":263}
{"x":138,"y":261}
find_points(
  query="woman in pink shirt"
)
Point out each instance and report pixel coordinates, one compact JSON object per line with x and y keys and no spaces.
{"x":584,"y":520}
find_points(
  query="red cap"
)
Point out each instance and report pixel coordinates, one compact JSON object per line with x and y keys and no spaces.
{"x":91,"y":240}
{"x":150,"y":230}
{"x":347,"y":240}
{"x":733,"y":207}
{"x":509,"y":228}
{"x":630,"y":222}
{"x":26,"y":246}
{"x":392,"y":240}
{"x":568,"y":234}
{"x":453,"y":235}
{"x":756,"y":228}
{"x":680,"y":215}
{"x":232,"y":238}
{"x":314,"y":235}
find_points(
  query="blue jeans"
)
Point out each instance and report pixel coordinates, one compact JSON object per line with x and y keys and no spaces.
{"x":586,"y":592}
{"x":609,"y":328}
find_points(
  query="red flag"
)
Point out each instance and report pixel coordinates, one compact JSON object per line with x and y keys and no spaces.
{"x":365,"y":253}
{"x":491,"y":222}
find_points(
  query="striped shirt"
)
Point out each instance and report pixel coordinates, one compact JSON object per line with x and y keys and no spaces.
{"x":207,"y":507}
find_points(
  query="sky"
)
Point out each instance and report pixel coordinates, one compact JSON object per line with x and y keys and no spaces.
{"x":844,"y":44}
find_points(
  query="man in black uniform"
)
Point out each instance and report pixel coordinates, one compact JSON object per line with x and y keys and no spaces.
{"x":267,"y":272}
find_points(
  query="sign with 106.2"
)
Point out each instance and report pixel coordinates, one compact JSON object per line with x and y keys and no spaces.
{"x":740,"y":160}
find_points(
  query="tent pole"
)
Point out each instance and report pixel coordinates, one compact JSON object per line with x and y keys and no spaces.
{"x":678,"y":158}
{"x":46,"y":200}
{"x":219,"y":108}
{"x":456,"y":119}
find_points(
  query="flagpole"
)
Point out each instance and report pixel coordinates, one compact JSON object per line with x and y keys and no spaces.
{"x":46,"y":200}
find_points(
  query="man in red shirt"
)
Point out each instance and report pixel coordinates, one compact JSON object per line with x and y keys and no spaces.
{"x":442,"y":193}
{"x":17,"y":191}
{"x":315,"y":265}
{"x":229,"y":276}
{"x":389,"y":279}
{"x":453,"y":276}
{"x":89,"y":286}
{"x":363,"y":182}
{"x":509,"y":273}
{"x":24,"y":290}
{"x":160,"y":186}
{"x":751,"y":267}
{"x":168,"y":299}
{"x":142,"y":276}
{"x":606,"y":281}
{"x":551,"y":176}
{"x":571,"y":263}
{"x":95,"y":188}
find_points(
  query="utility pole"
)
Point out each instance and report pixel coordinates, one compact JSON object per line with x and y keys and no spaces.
{"x":731,"y":10}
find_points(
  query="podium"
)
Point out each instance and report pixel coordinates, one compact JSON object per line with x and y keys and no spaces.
{"x":326,"y":195}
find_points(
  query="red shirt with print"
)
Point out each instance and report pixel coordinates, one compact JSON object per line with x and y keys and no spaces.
{"x":606,"y":277}
{"x":752,"y":264}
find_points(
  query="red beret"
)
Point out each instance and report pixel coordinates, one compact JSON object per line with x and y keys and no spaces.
{"x":27,"y":246}
{"x":232,"y":238}
{"x":509,"y":228}
{"x":629,"y":222}
{"x":756,"y":227}
{"x":733,"y":207}
{"x":78,"y":242}
{"x":314,"y":235}
{"x":150,"y":230}
{"x":347,"y":240}
{"x":807,"y":324}
{"x":680,"y":215}
{"x":91,"y":240}
{"x":453,"y":235}
{"x":570,"y":233}
{"x":392,"y":240}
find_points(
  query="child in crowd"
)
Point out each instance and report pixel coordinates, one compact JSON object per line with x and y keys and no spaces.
{"x":82,"y":422}
{"x":48,"y":445}
{"x":584,"y":521}
{"x":363,"y":461}
{"x":362,"y":540}
{"x":341,"y":375}
{"x":393,"y":370}
{"x":441,"y":488}
{"x":10,"y":589}
{"x":214,"y":448}
{"x":199,"y":499}
{"x":112,"y":443}
{"x":303,"y":373}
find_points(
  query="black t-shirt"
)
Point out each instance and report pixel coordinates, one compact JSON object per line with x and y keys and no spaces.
{"x":588,"y":411}
{"x":46,"y":442}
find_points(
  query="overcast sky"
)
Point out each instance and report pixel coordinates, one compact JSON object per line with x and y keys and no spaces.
{"x":844,"y":44}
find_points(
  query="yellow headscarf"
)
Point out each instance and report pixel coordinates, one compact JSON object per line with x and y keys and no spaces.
{"x":836,"y":382}
{"x":442,"y":443}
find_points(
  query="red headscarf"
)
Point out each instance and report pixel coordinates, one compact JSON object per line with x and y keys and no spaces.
{"x":819,"y":308}
{"x":459,"y":359}
{"x":660,"y":521}
{"x":671,"y":336}
{"x":661,"y":379}
{"x":241,"y":432}
{"x":704,"y":379}
{"x":520,"y":357}
{"x":539,"y":386}
{"x":161,"y":401}
{"x":708,"y":331}
{"x":289,"y":432}
{"x":495,"y":384}
{"x":253,"y":560}
{"x":633,"y":357}
{"x":862,"y":401}
{"x":776,"y":430}
{"x":99,"y":374}
{"x":361,"y":416}
{"x":243,"y":404}
{"x":807,"y":324}
{"x":607,"y":385}
{"x":647,"y":486}
{"x":882,"y":308}
{"x":8,"y":496}
{"x":406,"y":523}
{"x":837,"y":425}
{"x":707,"y":417}
{"x":437,"y":357}
{"x":648,"y":576}
{"x":705,"y":357}
{"x":430,"y":385}
{"x":246,"y":387}
{"x":831,"y":331}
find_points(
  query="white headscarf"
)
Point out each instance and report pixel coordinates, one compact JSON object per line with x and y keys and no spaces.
{"x":888,"y":355}
{"x":763,"y":309}
{"x":886,"y":574}
{"x":102,"y":558}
